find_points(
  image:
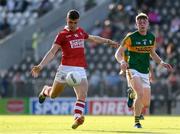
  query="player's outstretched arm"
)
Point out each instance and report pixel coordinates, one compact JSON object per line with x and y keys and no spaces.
{"x":158,"y":60}
{"x":47,"y":58}
{"x":100,"y":40}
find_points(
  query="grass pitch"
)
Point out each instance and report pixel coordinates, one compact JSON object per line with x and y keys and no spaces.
{"x":93,"y":125}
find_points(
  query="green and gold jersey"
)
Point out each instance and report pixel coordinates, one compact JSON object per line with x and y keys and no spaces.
{"x":139,"y":47}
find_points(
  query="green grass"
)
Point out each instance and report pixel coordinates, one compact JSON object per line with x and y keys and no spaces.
{"x":93,"y":125}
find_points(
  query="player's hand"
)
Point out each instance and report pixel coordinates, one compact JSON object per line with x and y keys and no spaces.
{"x":152,"y":78}
{"x":122,"y":73}
{"x":113,"y":43}
{"x":36,"y":70}
{"x":123,"y":65}
{"x":167,"y":66}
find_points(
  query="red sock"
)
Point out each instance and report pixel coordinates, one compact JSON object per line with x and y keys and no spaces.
{"x":79,"y":108}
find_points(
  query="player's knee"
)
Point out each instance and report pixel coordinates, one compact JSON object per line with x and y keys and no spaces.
{"x":140,"y":95}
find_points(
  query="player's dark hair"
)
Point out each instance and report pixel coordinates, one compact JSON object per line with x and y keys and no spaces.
{"x":73,"y":14}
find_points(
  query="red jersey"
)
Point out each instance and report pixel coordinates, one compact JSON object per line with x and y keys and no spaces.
{"x":72,"y":46}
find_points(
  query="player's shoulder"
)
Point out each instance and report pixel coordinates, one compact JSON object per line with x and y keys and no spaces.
{"x":80,"y":29}
{"x":130,"y":34}
{"x":61,"y":34}
{"x":63,"y":31}
{"x":135,"y":33}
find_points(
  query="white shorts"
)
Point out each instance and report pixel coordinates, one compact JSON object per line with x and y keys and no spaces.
{"x":130,"y":73}
{"x":63,"y":70}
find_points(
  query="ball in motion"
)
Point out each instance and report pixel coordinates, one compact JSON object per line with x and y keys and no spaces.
{"x":73,"y":78}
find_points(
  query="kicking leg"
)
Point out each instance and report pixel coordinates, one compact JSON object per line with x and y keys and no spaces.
{"x":51,"y":92}
{"x":81,"y":94}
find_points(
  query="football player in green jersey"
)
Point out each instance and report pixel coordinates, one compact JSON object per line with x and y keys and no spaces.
{"x":130,"y":92}
{"x":141,"y":47}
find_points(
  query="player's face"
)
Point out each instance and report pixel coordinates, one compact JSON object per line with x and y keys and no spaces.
{"x":142,"y":24}
{"x":72,"y":24}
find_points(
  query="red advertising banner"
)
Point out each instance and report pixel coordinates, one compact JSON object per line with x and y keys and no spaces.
{"x":14,"y":106}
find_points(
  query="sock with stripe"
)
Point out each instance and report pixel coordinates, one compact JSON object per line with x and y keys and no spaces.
{"x":136,"y":119}
{"x":79,"y":108}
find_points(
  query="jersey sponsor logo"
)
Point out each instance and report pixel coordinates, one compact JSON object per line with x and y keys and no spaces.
{"x":78,"y":43}
{"x":143,"y":49}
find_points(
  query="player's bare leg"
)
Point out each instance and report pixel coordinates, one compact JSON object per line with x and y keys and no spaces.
{"x":136,"y":84}
{"x":146,"y":101}
{"x":146,"y":97}
{"x":51,"y":92}
{"x":44,"y":93}
{"x":130,"y":102}
{"x":81,"y":94}
{"x":57,"y":89}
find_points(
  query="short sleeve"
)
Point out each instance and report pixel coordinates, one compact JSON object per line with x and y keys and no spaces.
{"x":126,"y":42}
{"x":59,"y":39}
{"x":154,"y":43}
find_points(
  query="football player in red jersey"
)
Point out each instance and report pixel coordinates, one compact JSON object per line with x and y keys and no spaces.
{"x":71,"y":42}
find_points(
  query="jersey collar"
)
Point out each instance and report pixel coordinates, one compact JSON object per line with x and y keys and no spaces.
{"x":66,"y":28}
